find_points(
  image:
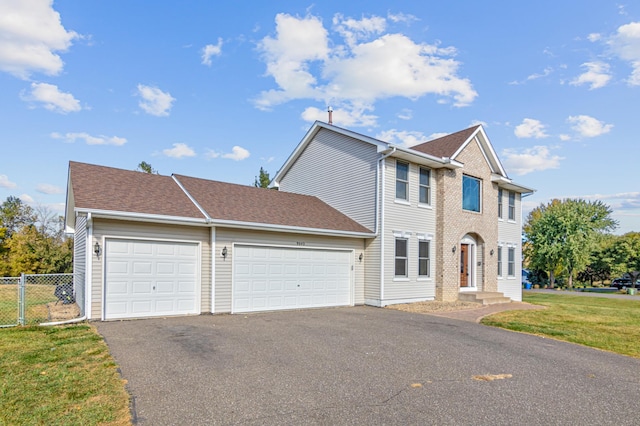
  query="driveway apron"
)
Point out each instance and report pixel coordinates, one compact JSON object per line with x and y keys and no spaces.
{"x":363,"y":365}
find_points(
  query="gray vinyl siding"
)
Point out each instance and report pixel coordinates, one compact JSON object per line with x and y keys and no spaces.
{"x":339,"y":170}
{"x":80,"y":262}
{"x":510,"y":233}
{"x":411,"y":220}
{"x":226,"y":237}
{"x":142,"y":230}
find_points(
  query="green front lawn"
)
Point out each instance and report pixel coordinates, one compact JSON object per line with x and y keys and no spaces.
{"x":59,"y":376}
{"x":609,"y":324}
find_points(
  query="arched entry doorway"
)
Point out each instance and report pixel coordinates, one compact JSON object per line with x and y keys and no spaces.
{"x":468,"y":260}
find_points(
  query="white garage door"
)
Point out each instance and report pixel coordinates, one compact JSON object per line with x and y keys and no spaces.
{"x":273,"y":278}
{"x":150,"y":278}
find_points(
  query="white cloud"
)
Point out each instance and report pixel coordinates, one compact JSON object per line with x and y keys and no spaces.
{"x":402,"y":137}
{"x":6,"y":183}
{"x":405,"y":114}
{"x":353,"y":30}
{"x":530,"y":128}
{"x":346,"y":117}
{"x":597,"y":75}
{"x":46,"y":188}
{"x":179,"y":150}
{"x":211,"y":50}
{"x":155,"y":101}
{"x":593,"y":37}
{"x":27,"y":198}
{"x":402,"y":17}
{"x":564,"y":137}
{"x":547,"y":71}
{"x":626,"y":44}
{"x":588,"y":127}
{"x":530,"y":160}
{"x":52,"y":98}
{"x":31,"y":34}
{"x":237,"y":153}
{"x":479,"y":122}
{"x":88,"y":139}
{"x":369,"y":65}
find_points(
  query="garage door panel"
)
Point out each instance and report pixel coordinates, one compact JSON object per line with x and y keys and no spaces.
{"x":294,"y":277}
{"x":150,"y":278}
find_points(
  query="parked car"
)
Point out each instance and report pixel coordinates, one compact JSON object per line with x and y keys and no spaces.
{"x":623,"y":283}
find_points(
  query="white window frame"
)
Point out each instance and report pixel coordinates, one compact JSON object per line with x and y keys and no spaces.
{"x":405,"y":258}
{"x":512,"y":207}
{"x":499,"y":203}
{"x":426,"y":186}
{"x":403,"y":181}
{"x":511,"y":262}
{"x":499,"y":256}
{"x":479,"y":193}
{"x":428,"y":258}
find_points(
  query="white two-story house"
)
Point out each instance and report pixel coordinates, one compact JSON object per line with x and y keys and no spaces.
{"x":356,"y":221}
{"x":446,"y":216}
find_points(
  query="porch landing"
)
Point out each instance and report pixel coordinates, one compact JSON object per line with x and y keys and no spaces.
{"x":484,"y":297}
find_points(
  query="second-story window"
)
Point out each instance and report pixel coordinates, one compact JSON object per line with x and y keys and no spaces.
{"x":425,"y":186}
{"x":470,"y":193}
{"x":499,"y":203}
{"x":512,"y":205}
{"x":402,"y":181}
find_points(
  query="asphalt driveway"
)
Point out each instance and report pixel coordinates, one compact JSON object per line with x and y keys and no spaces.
{"x":363,"y":365}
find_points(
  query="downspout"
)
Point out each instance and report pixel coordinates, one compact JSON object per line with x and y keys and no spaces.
{"x":88,"y":271}
{"x":380,"y":216}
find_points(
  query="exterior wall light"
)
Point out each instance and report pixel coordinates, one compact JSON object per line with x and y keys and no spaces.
{"x":224,"y":252}
{"x":491,"y":252}
{"x":96,"y":249}
{"x":453,"y":249}
{"x":360,"y":257}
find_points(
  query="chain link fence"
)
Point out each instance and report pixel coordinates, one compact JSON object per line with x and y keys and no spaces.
{"x":36,"y":299}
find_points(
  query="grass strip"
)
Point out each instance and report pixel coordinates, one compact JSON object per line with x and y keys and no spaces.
{"x":59,"y":376}
{"x":598,"y":322}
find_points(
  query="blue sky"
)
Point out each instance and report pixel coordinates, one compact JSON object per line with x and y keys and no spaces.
{"x":219,"y":89}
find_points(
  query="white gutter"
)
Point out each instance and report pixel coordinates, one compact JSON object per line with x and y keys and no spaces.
{"x":380,"y":219}
{"x":213,"y":268}
{"x":290,"y":229}
{"x":88,"y":272}
{"x":142,"y":217}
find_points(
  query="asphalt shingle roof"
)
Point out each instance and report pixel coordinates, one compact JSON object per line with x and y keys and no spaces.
{"x":110,"y":189}
{"x":227,"y":201}
{"x":107,"y":188}
{"x":445,"y":146}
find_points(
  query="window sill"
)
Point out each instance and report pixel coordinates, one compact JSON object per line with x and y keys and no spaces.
{"x":401,"y":279}
{"x":425,"y":206}
{"x":424,"y":279}
{"x":512,"y":221}
{"x":403,"y":202}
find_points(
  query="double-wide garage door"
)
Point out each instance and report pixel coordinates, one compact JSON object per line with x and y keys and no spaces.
{"x":273,"y":278}
{"x":150,"y":278}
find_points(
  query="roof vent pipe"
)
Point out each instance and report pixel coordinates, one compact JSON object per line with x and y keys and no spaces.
{"x":330,"y":111}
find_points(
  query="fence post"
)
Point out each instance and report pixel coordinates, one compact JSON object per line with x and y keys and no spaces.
{"x":22,"y":300}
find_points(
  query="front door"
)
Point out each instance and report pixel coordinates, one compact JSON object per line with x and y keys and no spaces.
{"x":464,"y":265}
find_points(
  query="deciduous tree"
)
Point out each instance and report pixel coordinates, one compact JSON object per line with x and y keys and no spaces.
{"x":565,"y":233}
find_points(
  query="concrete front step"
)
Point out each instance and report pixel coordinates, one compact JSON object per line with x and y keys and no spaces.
{"x":484,"y":297}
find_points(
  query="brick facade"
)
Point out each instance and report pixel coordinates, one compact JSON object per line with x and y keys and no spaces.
{"x":454,"y":223}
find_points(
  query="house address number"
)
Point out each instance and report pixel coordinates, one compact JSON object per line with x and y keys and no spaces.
{"x":299,"y":243}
